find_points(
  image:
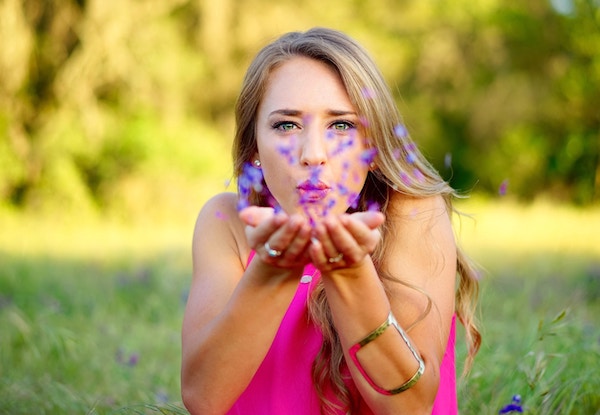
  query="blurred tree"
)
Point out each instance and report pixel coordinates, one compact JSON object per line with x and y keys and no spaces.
{"x":96,"y":95}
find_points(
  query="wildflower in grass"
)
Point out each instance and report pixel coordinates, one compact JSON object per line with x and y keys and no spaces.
{"x":503,"y":187}
{"x":133,"y":359}
{"x":161,"y":396}
{"x":130,"y":360}
{"x":513,"y":407}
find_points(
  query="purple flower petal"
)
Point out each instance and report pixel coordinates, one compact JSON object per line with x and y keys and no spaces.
{"x":400,"y":131}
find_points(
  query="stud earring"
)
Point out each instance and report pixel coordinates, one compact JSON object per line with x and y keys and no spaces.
{"x":256,"y":163}
{"x":372,"y":166}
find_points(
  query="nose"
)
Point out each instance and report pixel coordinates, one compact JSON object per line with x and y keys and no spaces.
{"x":313,"y":150}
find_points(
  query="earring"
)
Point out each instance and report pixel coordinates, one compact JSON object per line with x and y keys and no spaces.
{"x":372,"y":166}
{"x":256,"y":163}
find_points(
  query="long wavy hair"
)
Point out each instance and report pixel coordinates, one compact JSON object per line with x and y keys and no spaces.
{"x":381,"y":119}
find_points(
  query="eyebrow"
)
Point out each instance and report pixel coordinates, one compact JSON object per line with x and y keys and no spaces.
{"x":298,"y":113}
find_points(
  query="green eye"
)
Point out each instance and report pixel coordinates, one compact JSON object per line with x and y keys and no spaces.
{"x":284,"y":126}
{"x":342,"y":125}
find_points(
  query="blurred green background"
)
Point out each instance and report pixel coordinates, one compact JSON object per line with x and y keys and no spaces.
{"x":116,"y":120}
{"x":126,"y":106}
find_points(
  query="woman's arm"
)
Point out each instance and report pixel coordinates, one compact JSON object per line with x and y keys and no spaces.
{"x":233,"y":313}
{"x":422,"y":253}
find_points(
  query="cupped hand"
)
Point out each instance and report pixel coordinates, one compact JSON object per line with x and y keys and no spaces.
{"x":346,"y":240}
{"x":278,"y":239}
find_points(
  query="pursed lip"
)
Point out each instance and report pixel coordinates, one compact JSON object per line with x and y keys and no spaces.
{"x":313,"y":191}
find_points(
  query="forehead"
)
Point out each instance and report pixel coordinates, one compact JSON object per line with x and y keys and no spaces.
{"x":302,"y":81}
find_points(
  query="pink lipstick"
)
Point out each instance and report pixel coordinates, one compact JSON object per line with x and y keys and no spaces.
{"x":312,"y":191}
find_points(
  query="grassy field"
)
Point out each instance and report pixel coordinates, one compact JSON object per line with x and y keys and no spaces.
{"x":90,"y":312}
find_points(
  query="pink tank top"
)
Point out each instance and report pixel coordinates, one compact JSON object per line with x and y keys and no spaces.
{"x":283,"y":384}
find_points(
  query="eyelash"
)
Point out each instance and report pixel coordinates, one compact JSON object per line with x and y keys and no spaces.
{"x":348,"y":125}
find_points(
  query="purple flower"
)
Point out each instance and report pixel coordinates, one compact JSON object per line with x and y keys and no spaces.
{"x":133,"y":359}
{"x":368,"y":93}
{"x":514,"y":406}
{"x":251,"y":178}
{"x":373,"y":207}
{"x":368,"y":156}
{"x":503,"y":187}
{"x":411,"y":147}
{"x":419,"y":175}
{"x":315,"y":174}
{"x":400,"y":131}
{"x":405,"y":178}
{"x":448,"y":160}
{"x":353,"y":200}
{"x":343,"y":190}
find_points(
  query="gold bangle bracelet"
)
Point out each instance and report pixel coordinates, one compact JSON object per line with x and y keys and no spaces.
{"x":390,"y":321}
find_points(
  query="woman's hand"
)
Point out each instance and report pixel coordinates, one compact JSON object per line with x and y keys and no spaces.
{"x":346,"y":240}
{"x":278,"y":239}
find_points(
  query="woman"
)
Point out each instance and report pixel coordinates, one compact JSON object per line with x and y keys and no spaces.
{"x":328,"y":284}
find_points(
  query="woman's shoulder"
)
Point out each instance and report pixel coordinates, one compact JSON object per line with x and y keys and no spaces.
{"x":221,"y":203}
{"x":403,"y":206}
{"x":219,"y":219}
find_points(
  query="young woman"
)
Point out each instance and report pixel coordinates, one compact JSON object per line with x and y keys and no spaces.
{"x":328,"y":284}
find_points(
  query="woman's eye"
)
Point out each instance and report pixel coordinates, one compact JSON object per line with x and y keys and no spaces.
{"x":342,"y":125}
{"x":284,"y":126}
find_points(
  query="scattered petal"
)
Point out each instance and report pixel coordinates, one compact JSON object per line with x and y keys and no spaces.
{"x":448,"y":160}
{"x":400,"y":131}
{"x":503,"y":187}
{"x":368,"y":93}
{"x":368,"y":156}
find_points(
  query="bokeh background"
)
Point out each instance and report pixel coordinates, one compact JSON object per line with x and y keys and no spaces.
{"x":115,"y":126}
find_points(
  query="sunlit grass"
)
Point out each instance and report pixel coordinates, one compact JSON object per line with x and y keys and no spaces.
{"x":91,"y":310}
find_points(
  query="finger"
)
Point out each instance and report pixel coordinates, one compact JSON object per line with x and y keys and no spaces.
{"x":317,"y":254}
{"x":254,"y":215}
{"x":370,"y":218}
{"x":364,"y":236}
{"x":263,"y":230}
{"x":296,"y":236}
{"x":332,"y":236}
{"x":291,"y":240}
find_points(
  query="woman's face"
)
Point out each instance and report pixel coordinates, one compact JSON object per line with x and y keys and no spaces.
{"x":310,"y":141}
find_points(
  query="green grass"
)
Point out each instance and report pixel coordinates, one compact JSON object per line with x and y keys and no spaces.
{"x":90,"y":312}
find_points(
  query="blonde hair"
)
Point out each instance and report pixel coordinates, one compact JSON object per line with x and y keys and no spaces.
{"x":373,"y":100}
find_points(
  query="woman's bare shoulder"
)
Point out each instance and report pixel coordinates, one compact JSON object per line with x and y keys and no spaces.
{"x":218,"y":226}
{"x":226,"y":202}
{"x":426,"y":207}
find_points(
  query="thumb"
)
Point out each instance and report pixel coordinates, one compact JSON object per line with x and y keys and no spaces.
{"x":370,"y":218}
{"x":253,"y":215}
